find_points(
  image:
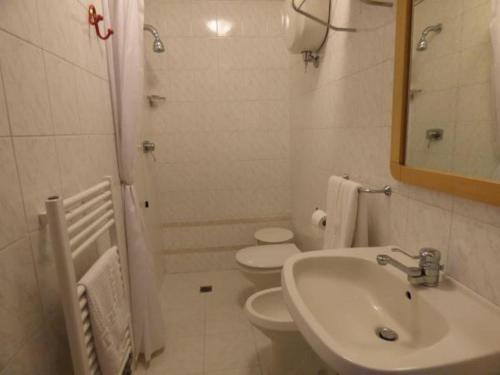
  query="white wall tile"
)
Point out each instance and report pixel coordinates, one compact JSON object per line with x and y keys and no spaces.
{"x":74,"y":162}
{"x":475,"y":103}
{"x":187,"y":54}
{"x":12,"y":220}
{"x":20,"y":17}
{"x":474,"y":31}
{"x":59,"y":36}
{"x":25,"y":83}
{"x":214,"y":236}
{"x":203,"y":13}
{"x":94,"y":104}
{"x":477,"y":211}
{"x":427,"y":226}
{"x":4,"y":118}
{"x":20,"y":311}
{"x":175,"y":18}
{"x":475,"y":64}
{"x":63,"y":91}
{"x":475,"y":256}
{"x":200,"y":261}
{"x":102,"y":158}
{"x":39,"y":174}
{"x":42,"y":354}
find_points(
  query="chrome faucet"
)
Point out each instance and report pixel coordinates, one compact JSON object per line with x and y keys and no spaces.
{"x":427,"y":272}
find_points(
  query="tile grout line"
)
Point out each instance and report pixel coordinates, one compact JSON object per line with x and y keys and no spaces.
{"x":43,"y":49}
{"x":16,"y":163}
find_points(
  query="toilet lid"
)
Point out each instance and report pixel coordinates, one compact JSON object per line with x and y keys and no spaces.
{"x":269,"y":256}
{"x":273,"y":235}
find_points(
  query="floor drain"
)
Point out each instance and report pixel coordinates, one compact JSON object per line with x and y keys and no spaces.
{"x":206,"y":289}
{"x":386,"y":334}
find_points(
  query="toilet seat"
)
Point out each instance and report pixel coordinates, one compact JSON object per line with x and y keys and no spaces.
{"x":268,"y":257}
{"x":267,"y":310}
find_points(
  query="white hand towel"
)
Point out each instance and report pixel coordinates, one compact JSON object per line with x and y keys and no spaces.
{"x":342,"y":210}
{"x":109,"y":313}
{"x":361,"y":229}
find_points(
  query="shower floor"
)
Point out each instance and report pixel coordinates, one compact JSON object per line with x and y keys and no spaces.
{"x":207,"y":333}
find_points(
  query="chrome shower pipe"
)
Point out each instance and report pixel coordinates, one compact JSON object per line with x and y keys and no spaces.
{"x":423,"y":42}
{"x":158,"y":45}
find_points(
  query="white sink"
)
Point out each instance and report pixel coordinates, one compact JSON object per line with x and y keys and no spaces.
{"x":339,"y":298}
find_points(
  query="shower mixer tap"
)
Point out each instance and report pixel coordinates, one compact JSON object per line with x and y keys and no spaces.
{"x":149,"y":147}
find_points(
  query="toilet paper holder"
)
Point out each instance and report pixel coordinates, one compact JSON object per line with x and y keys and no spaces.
{"x":322,"y":221}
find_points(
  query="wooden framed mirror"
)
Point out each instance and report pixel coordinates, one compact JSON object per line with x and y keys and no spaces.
{"x":445,"y":135}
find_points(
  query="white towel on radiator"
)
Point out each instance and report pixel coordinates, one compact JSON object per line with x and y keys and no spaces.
{"x":109,"y":313}
{"x":343,"y":226}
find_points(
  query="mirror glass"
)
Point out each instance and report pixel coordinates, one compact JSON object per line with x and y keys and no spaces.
{"x":452,"y":105}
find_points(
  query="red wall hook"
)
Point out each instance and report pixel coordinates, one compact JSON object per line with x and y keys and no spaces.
{"x":94,"y":20}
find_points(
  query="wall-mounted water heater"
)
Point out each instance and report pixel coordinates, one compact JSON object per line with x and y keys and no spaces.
{"x":305,"y":35}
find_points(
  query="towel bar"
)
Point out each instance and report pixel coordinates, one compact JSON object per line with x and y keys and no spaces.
{"x":387,"y":190}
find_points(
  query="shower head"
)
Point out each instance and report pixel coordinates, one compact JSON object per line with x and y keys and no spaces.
{"x":423,"y":43}
{"x":158,"y":45}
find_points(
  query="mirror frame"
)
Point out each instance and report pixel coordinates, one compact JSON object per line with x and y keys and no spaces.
{"x":483,"y":190}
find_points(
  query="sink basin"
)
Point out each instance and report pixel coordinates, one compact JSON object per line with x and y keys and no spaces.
{"x":362,"y":318}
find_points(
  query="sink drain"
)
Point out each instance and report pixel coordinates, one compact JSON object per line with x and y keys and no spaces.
{"x":386,"y":334}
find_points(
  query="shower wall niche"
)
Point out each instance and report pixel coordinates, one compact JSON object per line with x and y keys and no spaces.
{"x":222,"y":136}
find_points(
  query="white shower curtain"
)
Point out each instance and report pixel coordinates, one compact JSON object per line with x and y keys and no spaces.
{"x":126,"y":69}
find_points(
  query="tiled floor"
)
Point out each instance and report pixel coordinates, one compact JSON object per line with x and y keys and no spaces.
{"x":209,"y":334}
{"x":206,"y":334}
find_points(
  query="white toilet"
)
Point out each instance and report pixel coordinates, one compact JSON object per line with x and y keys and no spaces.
{"x":289,"y":353}
{"x":262,"y":264}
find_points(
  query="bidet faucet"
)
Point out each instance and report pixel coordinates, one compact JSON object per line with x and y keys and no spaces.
{"x":427,"y":272}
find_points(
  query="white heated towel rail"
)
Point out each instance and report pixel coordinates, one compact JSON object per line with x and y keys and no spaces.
{"x":76,"y":223}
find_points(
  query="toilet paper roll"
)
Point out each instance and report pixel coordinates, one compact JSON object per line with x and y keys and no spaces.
{"x":318,"y":219}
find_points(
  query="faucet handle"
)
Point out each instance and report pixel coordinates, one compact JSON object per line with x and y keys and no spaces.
{"x":430,"y":254}
{"x":398,"y":250}
{"x":430,"y":258}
